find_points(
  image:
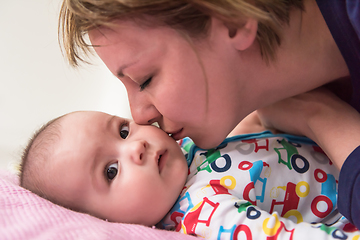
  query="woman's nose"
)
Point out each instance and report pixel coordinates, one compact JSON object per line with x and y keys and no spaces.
{"x":137,"y":151}
{"x":144,"y":113}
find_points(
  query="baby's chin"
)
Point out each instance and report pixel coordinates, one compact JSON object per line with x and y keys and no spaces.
{"x":148,"y":220}
{"x":154,"y":221}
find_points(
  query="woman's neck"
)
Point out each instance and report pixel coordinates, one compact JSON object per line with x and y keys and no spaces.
{"x":308,"y":56}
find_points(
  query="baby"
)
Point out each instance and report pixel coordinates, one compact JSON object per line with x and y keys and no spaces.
{"x":107,"y":166}
{"x":261,"y":185}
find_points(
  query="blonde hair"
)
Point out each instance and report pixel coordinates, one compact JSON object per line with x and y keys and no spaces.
{"x":191,"y":17}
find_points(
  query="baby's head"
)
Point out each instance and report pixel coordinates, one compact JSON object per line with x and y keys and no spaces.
{"x":106,"y":166}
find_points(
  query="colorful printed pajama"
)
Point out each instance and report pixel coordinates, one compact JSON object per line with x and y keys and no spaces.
{"x":260,"y":186}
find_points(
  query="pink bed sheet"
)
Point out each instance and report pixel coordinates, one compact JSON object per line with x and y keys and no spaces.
{"x":24,"y":215}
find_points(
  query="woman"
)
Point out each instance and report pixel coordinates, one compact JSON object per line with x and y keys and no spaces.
{"x":199,"y":67}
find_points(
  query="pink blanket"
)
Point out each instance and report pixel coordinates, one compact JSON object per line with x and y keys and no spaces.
{"x":24,"y":215}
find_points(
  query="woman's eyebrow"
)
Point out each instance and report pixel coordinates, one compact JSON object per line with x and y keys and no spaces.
{"x":120,"y":70}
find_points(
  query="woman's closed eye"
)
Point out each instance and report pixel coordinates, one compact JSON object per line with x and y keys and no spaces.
{"x":145,"y":84}
{"x":111,"y":171}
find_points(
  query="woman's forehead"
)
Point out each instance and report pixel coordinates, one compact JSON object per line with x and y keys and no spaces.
{"x":114,"y":27}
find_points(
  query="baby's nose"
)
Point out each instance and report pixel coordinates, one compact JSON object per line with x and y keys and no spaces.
{"x":138,"y":151}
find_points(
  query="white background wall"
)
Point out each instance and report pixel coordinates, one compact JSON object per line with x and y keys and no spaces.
{"x":36,"y":82}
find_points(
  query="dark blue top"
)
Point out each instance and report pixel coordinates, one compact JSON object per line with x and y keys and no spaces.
{"x":349,"y":188}
{"x":343,"y":20}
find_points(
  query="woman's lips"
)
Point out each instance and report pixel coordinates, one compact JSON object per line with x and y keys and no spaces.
{"x":176,"y":135}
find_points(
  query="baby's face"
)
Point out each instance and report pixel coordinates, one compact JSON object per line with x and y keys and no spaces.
{"x":115,"y":169}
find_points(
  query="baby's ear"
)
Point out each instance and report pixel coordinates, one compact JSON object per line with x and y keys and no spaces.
{"x":243,"y":37}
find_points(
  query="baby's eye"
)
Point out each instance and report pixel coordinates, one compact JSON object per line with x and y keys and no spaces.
{"x":124,"y":131}
{"x":111,"y":171}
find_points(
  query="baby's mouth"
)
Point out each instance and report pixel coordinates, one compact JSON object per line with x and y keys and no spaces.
{"x":161,"y":161}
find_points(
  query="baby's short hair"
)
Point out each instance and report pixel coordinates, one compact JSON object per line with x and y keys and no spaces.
{"x":36,"y":154}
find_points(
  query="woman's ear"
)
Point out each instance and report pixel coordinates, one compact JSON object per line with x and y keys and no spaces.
{"x":243,"y":37}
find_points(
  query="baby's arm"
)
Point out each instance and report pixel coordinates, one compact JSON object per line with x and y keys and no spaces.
{"x":320,"y":115}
